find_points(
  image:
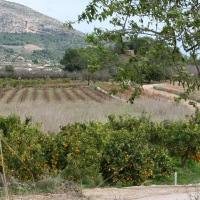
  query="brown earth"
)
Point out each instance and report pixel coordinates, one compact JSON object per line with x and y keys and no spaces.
{"x":148,"y":92}
{"x":49,"y":197}
{"x":128,"y":193}
{"x":142,"y":192}
{"x":163,"y":91}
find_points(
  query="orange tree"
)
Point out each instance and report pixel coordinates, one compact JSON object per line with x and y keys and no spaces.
{"x":129,"y":157}
{"x":85,"y":143}
{"x":22,"y":148}
{"x":56,"y":149}
{"x":120,"y":150}
{"x":182,"y":139}
{"x":125,"y":149}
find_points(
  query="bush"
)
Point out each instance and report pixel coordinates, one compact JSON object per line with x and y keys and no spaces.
{"x":86,"y":143}
{"x":22,"y":149}
{"x":130,"y":158}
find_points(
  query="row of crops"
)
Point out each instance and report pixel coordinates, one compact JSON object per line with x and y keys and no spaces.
{"x":8,"y":95}
{"x":125,"y":150}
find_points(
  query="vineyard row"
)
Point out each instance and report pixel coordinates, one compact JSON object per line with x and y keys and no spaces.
{"x":8,"y":95}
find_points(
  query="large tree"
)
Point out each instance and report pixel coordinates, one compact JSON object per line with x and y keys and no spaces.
{"x":73,"y":60}
{"x":170,"y":21}
{"x":173,"y":23}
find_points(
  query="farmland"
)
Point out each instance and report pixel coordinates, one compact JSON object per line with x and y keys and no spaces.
{"x":77,"y":130}
{"x":54,"y":94}
{"x":55,"y":105}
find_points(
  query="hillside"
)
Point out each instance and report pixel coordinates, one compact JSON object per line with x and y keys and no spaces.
{"x":32,"y":35}
{"x":16,"y":18}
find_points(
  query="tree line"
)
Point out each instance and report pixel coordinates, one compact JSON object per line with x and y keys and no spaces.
{"x":143,"y":66}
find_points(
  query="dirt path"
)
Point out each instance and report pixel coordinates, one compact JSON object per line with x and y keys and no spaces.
{"x":143,"y":193}
{"x":151,"y":92}
{"x":48,"y":197}
{"x":150,"y":89}
{"x":189,"y":192}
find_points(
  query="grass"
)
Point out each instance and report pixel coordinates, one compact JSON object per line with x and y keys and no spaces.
{"x":48,"y":185}
{"x":191,"y":174}
{"x":51,"y":185}
{"x":188,"y":175}
{"x":97,"y":84}
{"x":195,"y":96}
{"x":56,"y":114}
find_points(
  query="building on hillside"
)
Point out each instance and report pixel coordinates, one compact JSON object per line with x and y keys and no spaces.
{"x":130,"y":52}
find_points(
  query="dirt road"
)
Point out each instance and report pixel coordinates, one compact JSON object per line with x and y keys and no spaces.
{"x":188,"y":192}
{"x":144,"y":193}
{"x":150,"y":89}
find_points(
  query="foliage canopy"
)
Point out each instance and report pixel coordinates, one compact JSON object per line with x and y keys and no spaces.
{"x":174,"y":26}
{"x":169,"y":21}
{"x":73,"y":60}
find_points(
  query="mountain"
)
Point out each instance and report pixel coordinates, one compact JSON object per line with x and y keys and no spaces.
{"x":32,"y":35}
{"x":16,"y":18}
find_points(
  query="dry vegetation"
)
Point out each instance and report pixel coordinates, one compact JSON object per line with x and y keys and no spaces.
{"x":53,"y":114}
{"x":178,"y":89}
{"x":57,"y":106}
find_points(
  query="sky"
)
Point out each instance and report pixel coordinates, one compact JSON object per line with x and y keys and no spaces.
{"x":62,"y":10}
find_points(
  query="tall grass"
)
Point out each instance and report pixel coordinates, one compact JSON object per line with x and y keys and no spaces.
{"x":53,"y":115}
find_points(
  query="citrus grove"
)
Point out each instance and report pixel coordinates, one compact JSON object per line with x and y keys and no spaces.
{"x":125,"y":150}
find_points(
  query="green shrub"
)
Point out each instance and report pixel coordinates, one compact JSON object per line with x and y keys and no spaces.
{"x":86,"y":143}
{"x":8,"y":82}
{"x":130,"y":159}
{"x":22,"y":149}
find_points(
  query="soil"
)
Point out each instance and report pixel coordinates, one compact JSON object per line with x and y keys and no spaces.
{"x":142,"y":192}
{"x":175,"y":90}
{"x":148,"y":92}
{"x":166,"y":92}
{"x":128,"y":193}
{"x":48,"y":197}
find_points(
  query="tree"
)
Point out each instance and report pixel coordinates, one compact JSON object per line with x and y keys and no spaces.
{"x":169,"y":21}
{"x":35,"y":61}
{"x":9,"y":69}
{"x":176,"y":23}
{"x":89,"y":60}
{"x":73,"y":60}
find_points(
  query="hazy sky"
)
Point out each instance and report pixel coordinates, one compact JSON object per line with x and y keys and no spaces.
{"x":62,"y":10}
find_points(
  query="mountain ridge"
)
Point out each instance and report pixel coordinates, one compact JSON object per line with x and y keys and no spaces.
{"x":17,"y":18}
{"x":32,"y":35}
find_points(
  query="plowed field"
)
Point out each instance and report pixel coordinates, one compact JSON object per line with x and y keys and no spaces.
{"x":52,"y":94}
